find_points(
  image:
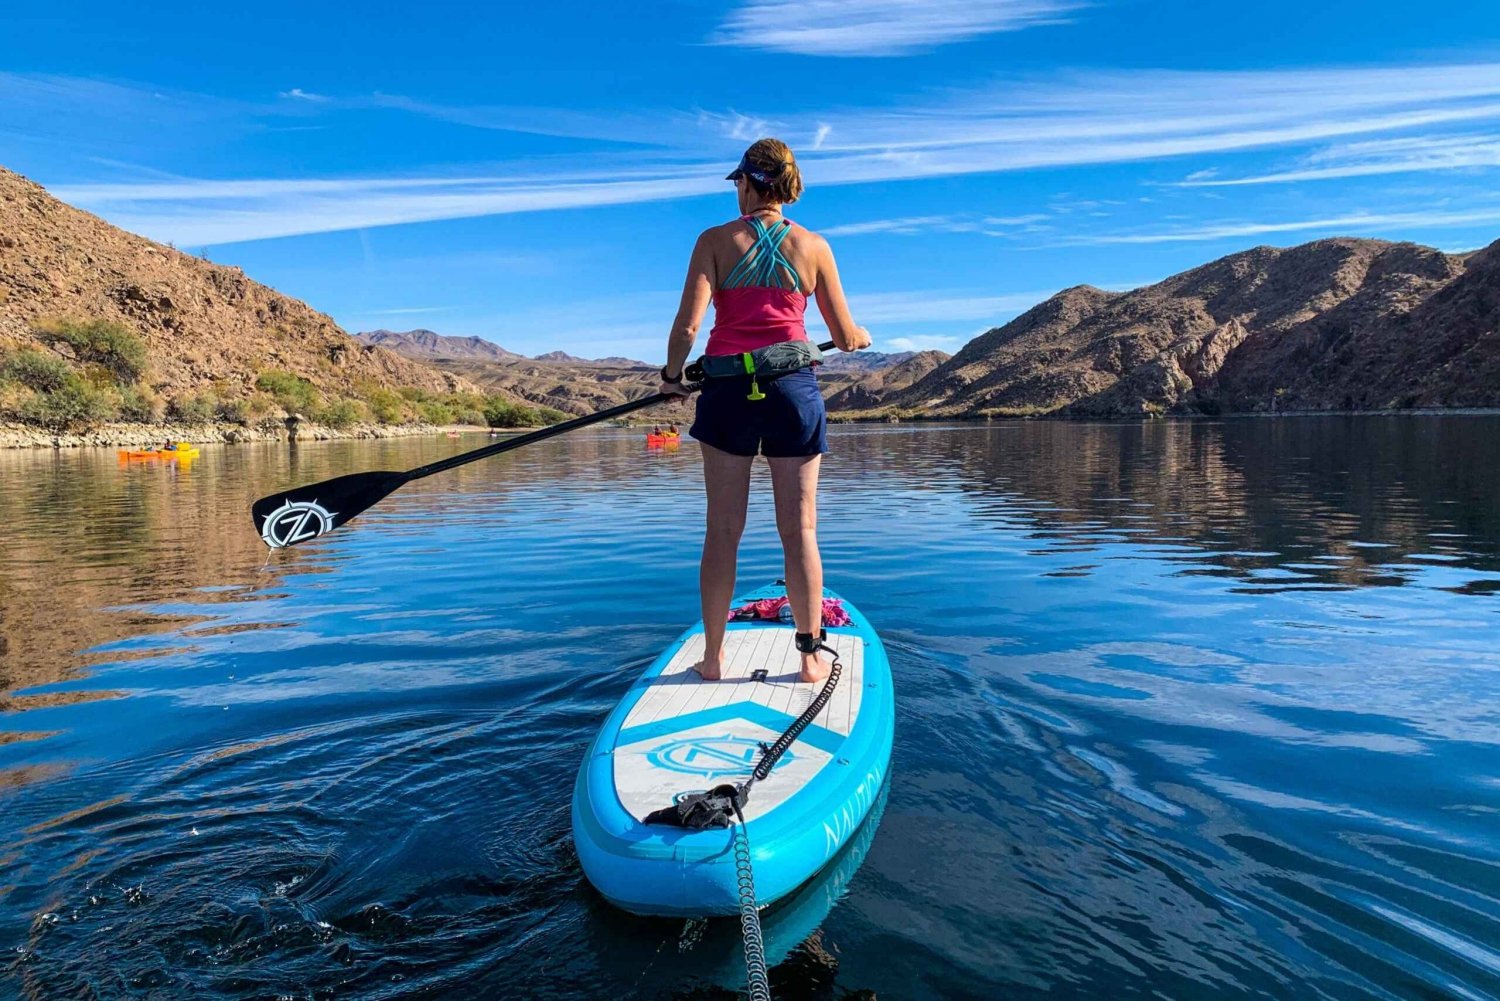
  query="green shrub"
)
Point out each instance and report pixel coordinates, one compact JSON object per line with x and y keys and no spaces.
{"x":387,"y":406}
{"x":548,"y":415}
{"x":196,"y":408}
{"x":342,"y":413}
{"x":36,"y":370}
{"x":414,"y":395}
{"x":138,"y":403}
{"x":435,"y":413}
{"x":471,"y":417}
{"x":292,"y":393}
{"x":74,"y":404}
{"x":101,"y":342}
{"x":233,"y":411}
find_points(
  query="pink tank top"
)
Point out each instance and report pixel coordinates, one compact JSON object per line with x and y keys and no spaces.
{"x":761,"y":302}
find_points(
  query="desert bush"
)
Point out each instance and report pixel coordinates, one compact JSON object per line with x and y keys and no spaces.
{"x":387,"y":406}
{"x":435,"y":413}
{"x":233,"y":411}
{"x":74,"y":404}
{"x":342,"y":413}
{"x":139,"y":403}
{"x":549,"y":415}
{"x":193,"y":408}
{"x":101,"y":342}
{"x":292,"y":393}
{"x":414,"y":395}
{"x":471,"y":417}
{"x":36,"y":370}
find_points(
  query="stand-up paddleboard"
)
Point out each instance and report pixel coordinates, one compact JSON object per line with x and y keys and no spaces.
{"x":674,"y":734}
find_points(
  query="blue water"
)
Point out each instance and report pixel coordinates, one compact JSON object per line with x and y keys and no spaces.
{"x":1185,"y":710}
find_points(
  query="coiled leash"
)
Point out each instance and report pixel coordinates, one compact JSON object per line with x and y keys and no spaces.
{"x":723,"y":805}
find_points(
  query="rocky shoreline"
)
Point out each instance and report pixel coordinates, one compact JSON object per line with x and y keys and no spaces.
{"x":144,"y":435}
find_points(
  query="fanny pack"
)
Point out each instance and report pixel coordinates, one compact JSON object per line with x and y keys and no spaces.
{"x":771,"y":361}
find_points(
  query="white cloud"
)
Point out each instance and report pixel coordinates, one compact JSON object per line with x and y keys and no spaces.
{"x":1355,"y":222}
{"x":923,"y":343}
{"x":1023,"y":125}
{"x":939,"y":306}
{"x":879,"y":27}
{"x":408,"y":311}
{"x":1364,"y":159}
{"x":298,"y":94}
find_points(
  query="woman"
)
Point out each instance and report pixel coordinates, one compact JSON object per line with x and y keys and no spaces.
{"x":758,"y":271}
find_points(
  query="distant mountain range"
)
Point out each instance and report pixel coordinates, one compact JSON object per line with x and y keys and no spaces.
{"x":427,"y":344}
{"x":1339,"y":324}
{"x":581,"y":385}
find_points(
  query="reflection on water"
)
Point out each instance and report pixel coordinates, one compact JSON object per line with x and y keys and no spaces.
{"x":1185,"y":710}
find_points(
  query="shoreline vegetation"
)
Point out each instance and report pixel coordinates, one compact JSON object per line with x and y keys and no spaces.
{"x":83,"y":382}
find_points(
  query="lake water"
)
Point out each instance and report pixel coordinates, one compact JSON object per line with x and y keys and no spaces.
{"x":1185,"y":710}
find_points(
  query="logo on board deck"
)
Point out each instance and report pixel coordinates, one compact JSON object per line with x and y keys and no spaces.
{"x":295,"y":522}
{"x":710,"y":755}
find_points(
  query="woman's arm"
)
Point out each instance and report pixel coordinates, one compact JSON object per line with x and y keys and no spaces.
{"x":829,"y":291}
{"x":697,"y":292}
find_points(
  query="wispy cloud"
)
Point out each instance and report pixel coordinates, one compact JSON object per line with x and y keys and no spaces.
{"x":879,"y":27}
{"x":408,"y":311}
{"x":298,"y":94}
{"x":1020,"y":125}
{"x":1354,"y":222}
{"x":940,"y":306}
{"x":916,"y":225}
{"x":1405,"y":155}
{"x":929,"y":342}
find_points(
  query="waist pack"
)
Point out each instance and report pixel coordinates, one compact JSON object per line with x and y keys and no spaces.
{"x":770,"y":361}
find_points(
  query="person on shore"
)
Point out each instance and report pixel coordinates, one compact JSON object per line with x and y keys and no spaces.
{"x":759,"y":270}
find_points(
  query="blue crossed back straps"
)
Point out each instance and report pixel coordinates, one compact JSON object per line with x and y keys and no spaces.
{"x":764,"y":264}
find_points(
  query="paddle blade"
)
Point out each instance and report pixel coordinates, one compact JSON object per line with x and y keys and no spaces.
{"x":286,"y":519}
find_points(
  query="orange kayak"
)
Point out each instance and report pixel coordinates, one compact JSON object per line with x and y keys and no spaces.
{"x":662,"y":439}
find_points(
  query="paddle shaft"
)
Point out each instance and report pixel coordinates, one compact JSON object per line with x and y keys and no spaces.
{"x":520,"y":441}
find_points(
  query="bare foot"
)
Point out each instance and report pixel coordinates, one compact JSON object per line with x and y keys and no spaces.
{"x":710,"y":668}
{"x":814,"y":668}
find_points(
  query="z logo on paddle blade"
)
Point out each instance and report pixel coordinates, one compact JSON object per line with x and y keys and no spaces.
{"x":295,"y":522}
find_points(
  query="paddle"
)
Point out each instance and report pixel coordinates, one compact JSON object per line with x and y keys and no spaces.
{"x":304,"y":513}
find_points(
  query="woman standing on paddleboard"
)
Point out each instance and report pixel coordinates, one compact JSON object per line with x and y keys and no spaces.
{"x":758,"y":271}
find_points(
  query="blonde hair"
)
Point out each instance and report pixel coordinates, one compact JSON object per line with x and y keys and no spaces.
{"x":774,"y":158}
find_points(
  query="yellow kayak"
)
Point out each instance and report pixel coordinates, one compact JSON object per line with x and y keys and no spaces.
{"x":183,"y":450}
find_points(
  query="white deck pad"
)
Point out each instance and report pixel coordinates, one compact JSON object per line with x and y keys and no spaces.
{"x":686,"y":734}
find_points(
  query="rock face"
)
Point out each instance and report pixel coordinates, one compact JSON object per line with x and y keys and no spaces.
{"x":1334,"y":324}
{"x":889,"y":375}
{"x":204,"y":325}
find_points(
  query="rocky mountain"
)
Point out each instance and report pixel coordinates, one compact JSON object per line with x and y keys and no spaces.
{"x":1333,"y":324}
{"x":425,"y":344}
{"x":613,"y":361}
{"x":582,"y":386}
{"x":194,"y":332}
{"x":866,"y":361}
{"x":863,"y":388}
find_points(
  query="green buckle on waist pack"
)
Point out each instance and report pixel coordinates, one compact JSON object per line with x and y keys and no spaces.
{"x":755,"y":393}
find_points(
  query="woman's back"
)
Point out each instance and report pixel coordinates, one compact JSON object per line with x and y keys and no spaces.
{"x":764,"y":268}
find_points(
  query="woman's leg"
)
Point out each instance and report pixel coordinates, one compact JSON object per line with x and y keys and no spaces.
{"x":795,"y":483}
{"x":727,"y":478}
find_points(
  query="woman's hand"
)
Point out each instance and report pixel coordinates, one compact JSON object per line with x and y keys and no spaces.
{"x":856,"y":340}
{"x":671,"y":388}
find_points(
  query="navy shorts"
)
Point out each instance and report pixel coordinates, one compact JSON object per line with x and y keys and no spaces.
{"x":789,"y":423}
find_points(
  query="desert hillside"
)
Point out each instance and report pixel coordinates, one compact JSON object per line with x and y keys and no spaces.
{"x":1333,"y":324}
{"x":97,"y":324}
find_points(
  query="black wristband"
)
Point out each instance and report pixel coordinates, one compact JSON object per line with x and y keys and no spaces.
{"x":669,"y":380}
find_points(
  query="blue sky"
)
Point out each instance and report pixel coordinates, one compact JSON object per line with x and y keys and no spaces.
{"x":536,"y":174}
